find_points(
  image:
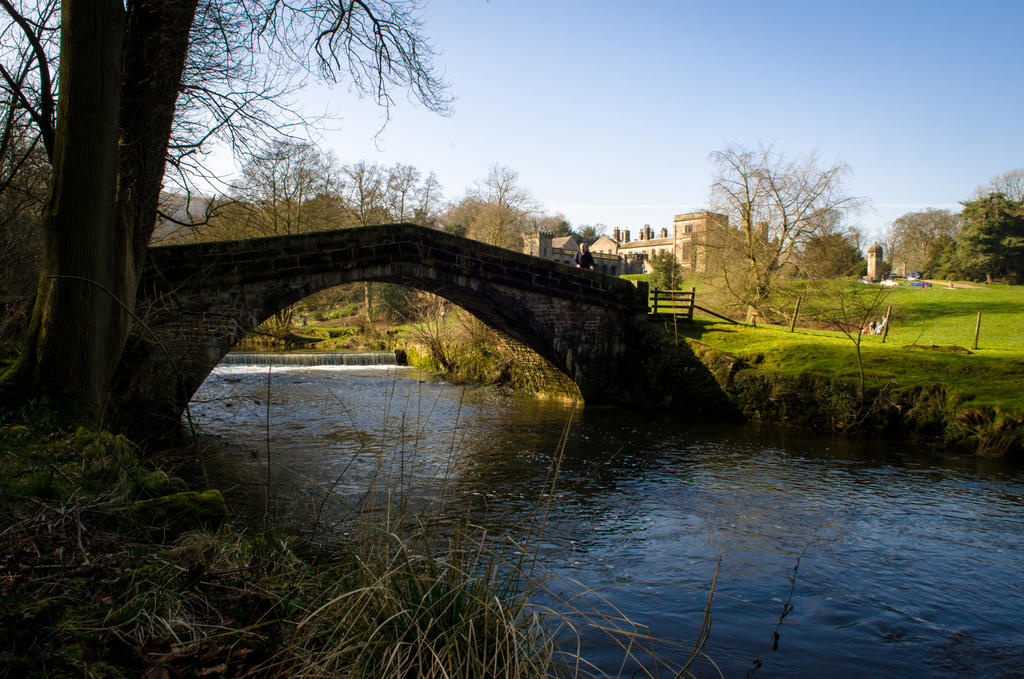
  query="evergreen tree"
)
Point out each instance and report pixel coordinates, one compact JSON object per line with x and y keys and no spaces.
{"x":991,"y":242}
{"x":665,"y":272}
{"x":831,"y":256}
{"x":941,"y":258}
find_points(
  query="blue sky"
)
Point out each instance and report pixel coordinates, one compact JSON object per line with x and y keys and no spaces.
{"x":608,"y":110}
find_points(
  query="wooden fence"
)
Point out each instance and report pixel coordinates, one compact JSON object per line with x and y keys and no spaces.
{"x":673,"y":302}
{"x":679,"y":303}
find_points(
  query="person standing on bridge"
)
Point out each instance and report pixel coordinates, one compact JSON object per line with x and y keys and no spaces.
{"x":583,"y":259}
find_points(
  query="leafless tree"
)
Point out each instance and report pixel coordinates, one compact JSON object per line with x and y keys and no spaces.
{"x":289,"y":187}
{"x":366,"y":196}
{"x":402,"y":183}
{"x":248,"y":58}
{"x":1010,"y":184}
{"x":460,"y":215}
{"x":366,"y":193}
{"x":26,"y":139}
{"x":911,"y":238}
{"x":410,"y":197}
{"x":28,"y":47}
{"x":428,"y":202}
{"x":849,"y":308}
{"x":26,"y":174}
{"x":556,"y":224}
{"x":433,"y":326}
{"x":775,"y":205}
{"x":504,"y":209}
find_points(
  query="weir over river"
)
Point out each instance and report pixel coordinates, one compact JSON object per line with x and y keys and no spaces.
{"x":896,"y":562}
{"x":310,"y":358}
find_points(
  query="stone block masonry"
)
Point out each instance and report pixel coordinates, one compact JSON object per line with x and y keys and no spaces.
{"x":198,"y":300}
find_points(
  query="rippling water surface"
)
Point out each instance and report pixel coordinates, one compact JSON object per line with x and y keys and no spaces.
{"x":896,"y":563}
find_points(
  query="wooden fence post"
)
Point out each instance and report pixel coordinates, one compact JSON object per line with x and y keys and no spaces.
{"x":693,"y":301}
{"x":885,"y":328}
{"x":977,"y":331}
{"x":796,"y":312}
{"x":654,"y":309}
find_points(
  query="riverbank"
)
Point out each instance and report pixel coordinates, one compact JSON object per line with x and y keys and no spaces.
{"x":87,"y":592}
{"x":945,"y":395}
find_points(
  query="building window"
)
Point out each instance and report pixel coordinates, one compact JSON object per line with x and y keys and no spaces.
{"x":688,"y":228}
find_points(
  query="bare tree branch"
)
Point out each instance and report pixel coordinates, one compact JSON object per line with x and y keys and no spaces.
{"x":775,"y":207}
{"x":33,"y":32}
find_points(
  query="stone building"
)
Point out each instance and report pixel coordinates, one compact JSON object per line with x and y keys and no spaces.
{"x":552,"y":248}
{"x":688,"y":239}
{"x":875,"y":262}
{"x":563,"y":249}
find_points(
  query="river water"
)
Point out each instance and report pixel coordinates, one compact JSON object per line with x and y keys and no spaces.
{"x":887,"y":561}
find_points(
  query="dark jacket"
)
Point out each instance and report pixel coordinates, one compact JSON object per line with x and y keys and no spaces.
{"x":584,"y":260}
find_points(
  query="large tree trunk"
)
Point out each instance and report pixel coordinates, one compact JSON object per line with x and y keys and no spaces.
{"x":155,"y":46}
{"x":120,"y":74}
{"x":77,"y":318}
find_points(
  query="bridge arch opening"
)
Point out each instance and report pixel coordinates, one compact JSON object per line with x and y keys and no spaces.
{"x":433,"y":324}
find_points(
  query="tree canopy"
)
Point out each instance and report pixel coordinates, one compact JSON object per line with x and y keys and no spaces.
{"x":666,"y":274}
{"x":1010,"y":184}
{"x":498,"y":210}
{"x":912,"y":239}
{"x":991,"y":242}
{"x":831,"y":255}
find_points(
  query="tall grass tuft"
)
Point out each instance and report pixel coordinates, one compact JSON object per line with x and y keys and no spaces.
{"x":408,"y":615}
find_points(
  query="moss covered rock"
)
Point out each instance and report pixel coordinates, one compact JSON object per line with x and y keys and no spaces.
{"x":172,"y":515}
{"x":159,"y":484}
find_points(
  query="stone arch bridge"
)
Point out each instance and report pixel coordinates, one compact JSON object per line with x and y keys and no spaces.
{"x":196,"y":301}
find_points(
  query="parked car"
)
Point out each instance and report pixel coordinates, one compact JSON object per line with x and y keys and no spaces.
{"x":914,"y":276}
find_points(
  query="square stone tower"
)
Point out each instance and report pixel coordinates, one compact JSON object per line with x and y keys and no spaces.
{"x":875,"y":262}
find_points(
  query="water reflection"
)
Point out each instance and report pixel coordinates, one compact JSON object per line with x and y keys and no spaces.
{"x":898,"y":562}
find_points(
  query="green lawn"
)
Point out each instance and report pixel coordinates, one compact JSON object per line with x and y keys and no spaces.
{"x":944,"y":315}
{"x":992,"y":376}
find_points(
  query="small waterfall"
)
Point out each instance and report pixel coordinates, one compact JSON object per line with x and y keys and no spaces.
{"x":301,"y":358}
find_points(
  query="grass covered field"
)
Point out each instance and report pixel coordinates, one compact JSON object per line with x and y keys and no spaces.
{"x":930,"y":342}
{"x":944,"y":315}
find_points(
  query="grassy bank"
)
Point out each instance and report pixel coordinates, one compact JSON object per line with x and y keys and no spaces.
{"x":924,"y":378}
{"x":946,"y":313}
